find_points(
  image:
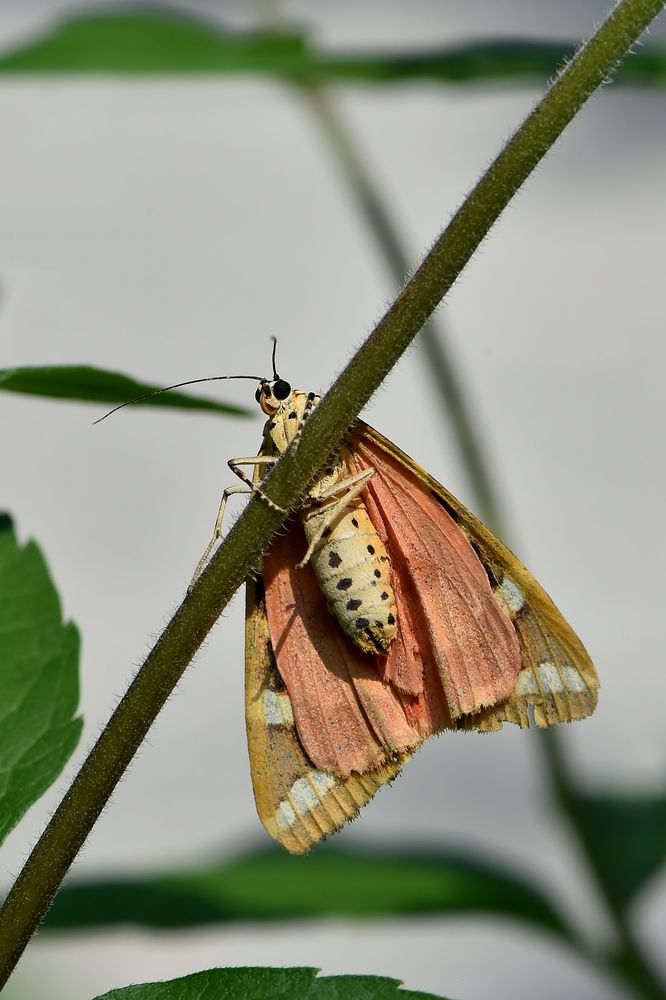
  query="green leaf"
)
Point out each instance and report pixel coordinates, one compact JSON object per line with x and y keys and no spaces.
{"x":260,"y":983}
{"x":39,"y":686}
{"x":272,"y":885}
{"x":144,"y":41}
{"x":94,"y":385}
{"x":627,"y":838}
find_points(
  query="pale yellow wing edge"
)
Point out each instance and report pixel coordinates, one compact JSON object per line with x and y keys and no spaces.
{"x":298,"y":804}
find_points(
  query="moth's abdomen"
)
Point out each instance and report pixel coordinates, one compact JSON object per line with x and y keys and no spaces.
{"x":353,"y":571}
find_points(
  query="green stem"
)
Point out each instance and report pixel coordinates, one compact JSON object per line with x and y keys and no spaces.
{"x":440,"y":367}
{"x":111,"y":755}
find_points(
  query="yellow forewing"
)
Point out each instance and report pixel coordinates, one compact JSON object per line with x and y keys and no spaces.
{"x":558,"y":678}
{"x":298,"y":804}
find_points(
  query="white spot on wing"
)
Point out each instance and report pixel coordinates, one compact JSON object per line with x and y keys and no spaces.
{"x":303,"y":797}
{"x":526,"y":683}
{"x":550,"y":677}
{"x":277,"y":709}
{"x":552,"y":680}
{"x":322,"y":781}
{"x":510,"y":596}
{"x":285,"y":815}
{"x":572,"y":679}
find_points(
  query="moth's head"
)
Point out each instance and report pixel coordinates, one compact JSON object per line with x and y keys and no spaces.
{"x":271,"y":394}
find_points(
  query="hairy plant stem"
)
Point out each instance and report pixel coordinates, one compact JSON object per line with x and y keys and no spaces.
{"x":71,"y":823}
{"x":628,"y":963}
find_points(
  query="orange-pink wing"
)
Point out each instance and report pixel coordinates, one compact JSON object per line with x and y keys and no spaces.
{"x":461,"y":624}
{"x":456,"y":650}
{"x":347,"y":716}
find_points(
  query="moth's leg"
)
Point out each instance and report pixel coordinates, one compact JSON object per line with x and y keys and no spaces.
{"x":310,"y":404}
{"x":351,"y":486}
{"x":256,"y":461}
{"x":249,"y":486}
{"x":217,"y":532}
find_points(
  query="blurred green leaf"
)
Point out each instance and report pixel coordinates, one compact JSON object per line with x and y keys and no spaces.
{"x":39,"y":687}
{"x":94,"y":385}
{"x":261,"y":983}
{"x":142,"y":41}
{"x":272,"y":885}
{"x":627,"y":835}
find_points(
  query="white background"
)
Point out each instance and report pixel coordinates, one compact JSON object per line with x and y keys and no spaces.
{"x":165,"y":228}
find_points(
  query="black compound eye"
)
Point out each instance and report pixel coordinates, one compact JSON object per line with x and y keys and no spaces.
{"x":257,"y":394}
{"x":281,"y":389}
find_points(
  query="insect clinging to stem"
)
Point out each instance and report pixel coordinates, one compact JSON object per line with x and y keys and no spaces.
{"x":384,"y":613}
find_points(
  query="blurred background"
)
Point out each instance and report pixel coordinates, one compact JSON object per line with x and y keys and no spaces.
{"x":166,"y":226}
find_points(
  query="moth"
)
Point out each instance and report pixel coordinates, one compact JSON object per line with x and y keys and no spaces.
{"x":384,"y":613}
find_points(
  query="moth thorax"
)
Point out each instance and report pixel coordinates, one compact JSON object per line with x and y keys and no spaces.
{"x":284,"y":425}
{"x":354,"y":573}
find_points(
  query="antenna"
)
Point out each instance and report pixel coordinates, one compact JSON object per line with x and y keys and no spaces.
{"x":177,"y":385}
{"x":275,"y":374}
